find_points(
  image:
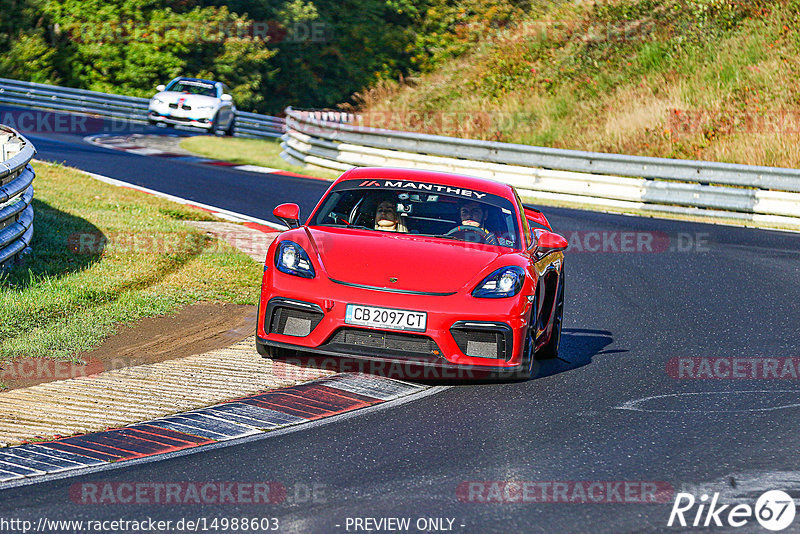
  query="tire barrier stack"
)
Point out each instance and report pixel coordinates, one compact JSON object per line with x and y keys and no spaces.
{"x":764,"y":195}
{"x":16,"y":195}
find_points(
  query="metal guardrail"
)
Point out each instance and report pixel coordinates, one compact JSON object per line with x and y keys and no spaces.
{"x":255,"y":125}
{"x":769,"y":195}
{"x":52,"y":97}
{"x":29,"y":94}
{"x":16,"y":195}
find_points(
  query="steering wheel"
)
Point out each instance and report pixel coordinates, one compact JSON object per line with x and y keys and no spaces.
{"x":465,"y":230}
{"x":338,"y":218}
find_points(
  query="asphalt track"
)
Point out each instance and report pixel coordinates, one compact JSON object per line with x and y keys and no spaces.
{"x":612,"y":410}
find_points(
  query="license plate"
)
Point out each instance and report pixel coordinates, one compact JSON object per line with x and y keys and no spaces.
{"x":386,"y":318}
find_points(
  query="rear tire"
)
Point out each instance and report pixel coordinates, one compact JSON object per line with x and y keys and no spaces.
{"x":550,"y":350}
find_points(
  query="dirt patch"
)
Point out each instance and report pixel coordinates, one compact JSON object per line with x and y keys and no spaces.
{"x":194,"y":329}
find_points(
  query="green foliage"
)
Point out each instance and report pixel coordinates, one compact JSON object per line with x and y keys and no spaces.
{"x":317,"y":53}
{"x":133,"y":45}
{"x":332,"y":48}
{"x":130,"y":46}
{"x":450,"y":29}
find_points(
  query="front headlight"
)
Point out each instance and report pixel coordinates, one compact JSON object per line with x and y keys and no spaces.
{"x":206,"y":108}
{"x":504,"y":282}
{"x":156,"y":101}
{"x":290,"y":258}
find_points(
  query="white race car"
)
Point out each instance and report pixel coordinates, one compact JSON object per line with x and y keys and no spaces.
{"x":194,"y":102}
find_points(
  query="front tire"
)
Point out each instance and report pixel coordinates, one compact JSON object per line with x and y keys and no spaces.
{"x":528,"y":370}
{"x":550,"y":350}
{"x":529,"y":366}
{"x":215,"y":129}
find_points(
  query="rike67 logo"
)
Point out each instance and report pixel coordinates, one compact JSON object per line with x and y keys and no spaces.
{"x":774,"y":510}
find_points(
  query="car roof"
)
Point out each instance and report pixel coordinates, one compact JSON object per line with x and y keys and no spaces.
{"x":438,"y":178}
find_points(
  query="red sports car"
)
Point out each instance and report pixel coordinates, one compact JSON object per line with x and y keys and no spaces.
{"x":415,"y":267}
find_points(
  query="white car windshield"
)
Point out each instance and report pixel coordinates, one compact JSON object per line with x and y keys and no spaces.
{"x":193,"y":87}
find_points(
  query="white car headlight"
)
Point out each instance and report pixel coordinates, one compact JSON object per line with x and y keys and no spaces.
{"x":157,"y":101}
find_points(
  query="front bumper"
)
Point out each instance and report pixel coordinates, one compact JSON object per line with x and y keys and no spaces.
{"x":166,"y":118}
{"x":462,"y":331}
{"x":401,"y":369}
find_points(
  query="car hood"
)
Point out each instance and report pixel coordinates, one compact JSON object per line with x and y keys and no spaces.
{"x":171,"y":97}
{"x":417,"y":263}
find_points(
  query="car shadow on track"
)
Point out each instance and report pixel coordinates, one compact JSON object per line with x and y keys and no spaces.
{"x":578,"y":347}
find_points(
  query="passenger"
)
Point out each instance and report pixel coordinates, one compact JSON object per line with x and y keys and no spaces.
{"x":386,"y":218}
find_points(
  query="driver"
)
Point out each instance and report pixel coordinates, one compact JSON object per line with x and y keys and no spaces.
{"x":387,"y":219}
{"x":473,"y":218}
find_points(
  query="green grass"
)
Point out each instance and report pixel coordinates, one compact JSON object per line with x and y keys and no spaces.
{"x":263,"y":152}
{"x":69,"y":294}
{"x":608,"y":76}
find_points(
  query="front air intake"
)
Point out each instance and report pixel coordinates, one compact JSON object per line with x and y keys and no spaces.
{"x":398,"y":345}
{"x":291,"y":319}
{"x":483,"y":340}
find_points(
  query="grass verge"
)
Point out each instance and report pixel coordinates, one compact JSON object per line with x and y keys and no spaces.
{"x":692,"y":79}
{"x":104,"y":256}
{"x":263,"y":152}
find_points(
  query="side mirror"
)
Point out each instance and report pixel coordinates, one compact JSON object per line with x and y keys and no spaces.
{"x":289,"y":214}
{"x":160,"y":88}
{"x":548,"y":242}
{"x":226,"y":98}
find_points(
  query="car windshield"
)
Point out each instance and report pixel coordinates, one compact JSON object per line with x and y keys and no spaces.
{"x":193,"y":88}
{"x":421,"y":209}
